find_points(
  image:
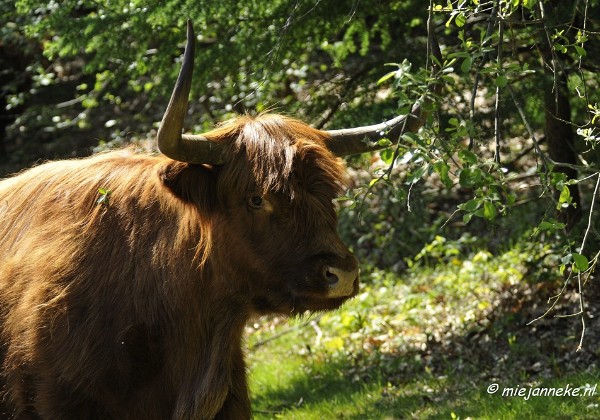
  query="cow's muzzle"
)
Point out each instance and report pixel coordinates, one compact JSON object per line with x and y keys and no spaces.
{"x":342,"y":283}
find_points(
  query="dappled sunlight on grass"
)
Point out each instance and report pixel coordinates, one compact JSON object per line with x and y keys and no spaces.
{"x":421,"y":345}
{"x":399,"y":314}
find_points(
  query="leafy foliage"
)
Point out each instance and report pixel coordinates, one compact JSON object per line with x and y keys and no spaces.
{"x":250,"y":52}
{"x":509,"y":152}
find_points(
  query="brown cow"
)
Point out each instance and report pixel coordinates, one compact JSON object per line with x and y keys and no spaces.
{"x":130,"y":303}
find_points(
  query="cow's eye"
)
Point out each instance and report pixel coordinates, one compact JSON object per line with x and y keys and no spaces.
{"x":256,"y":202}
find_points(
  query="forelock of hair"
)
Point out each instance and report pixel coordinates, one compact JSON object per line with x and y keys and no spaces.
{"x":262,"y":152}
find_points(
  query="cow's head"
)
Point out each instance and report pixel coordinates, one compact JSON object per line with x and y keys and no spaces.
{"x":275,"y":195}
{"x":276,"y":182}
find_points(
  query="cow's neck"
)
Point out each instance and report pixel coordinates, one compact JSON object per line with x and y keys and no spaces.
{"x":209,"y":341}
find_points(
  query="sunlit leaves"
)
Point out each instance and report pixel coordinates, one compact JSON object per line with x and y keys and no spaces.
{"x":387,"y":155}
{"x":418,"y":173}
{"x":403,"y":70}
{"x":550,"y":225}
{"x":104,"y":196}
{"x":484,"y":207}
{"x":578,"y":263}
{"x":560,"y":181}
{"x":457,"y":127}
{"x":564,"y":199}
{"x":443,"y":170}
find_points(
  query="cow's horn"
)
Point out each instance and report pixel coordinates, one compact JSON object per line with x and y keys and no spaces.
{"x":171,"y":142}
{"x":351,"y":141}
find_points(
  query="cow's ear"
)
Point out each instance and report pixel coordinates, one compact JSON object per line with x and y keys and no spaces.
{"x":191,"y":183}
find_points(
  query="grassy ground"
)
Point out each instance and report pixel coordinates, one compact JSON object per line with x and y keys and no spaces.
{"x":429,"y":344}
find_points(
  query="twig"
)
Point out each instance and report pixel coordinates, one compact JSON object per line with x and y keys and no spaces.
{"x":536,"y":143}
{"x":497,"y":105}
{"x":433,"y":51}
{"x":581,"y":312}
{"x":579,"y":168}
{"x":347,"y":89}
{"x":319,"y":332}
{"x":555,"y":298}
{"x":284,"y":332}
{"x":592,"y":204}
{"x":482,"y":63}
{"x":585,"y":235}
{"x":71,"y":102}
{"x":580,"y":346}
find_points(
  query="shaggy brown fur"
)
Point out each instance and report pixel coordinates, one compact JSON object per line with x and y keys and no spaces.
{"x":134,"y":308}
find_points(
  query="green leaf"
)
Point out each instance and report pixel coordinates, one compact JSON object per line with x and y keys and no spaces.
{"x":580,"y":262}
{"x":562,"y":269}
{"x":467,"y":157}
{"x":89,"y":103}
{"x":458,"y":54}
{"x":467,"y":218}
{"x":470,"y":177}
{"x":104,"y":196}
{"x":580,"y":50}
{"x":560,"y":48}
{"x":386,"y":77}
{"x":471,"y":205}
{"x":384,"y":143}
{"x":501,"y":81}
{"x":551,"y":225}
{"x":565,"y":198}
{"x":511,"y":199}
{"x":387,"y":155}
{"x":489,"y":210}
{"x":466,"y":64}
{"x":334,"y":344}
{"x":412,"y":138}
{"x":418,"y":174}
{"x":460,"y":20}
{"x":464,"y":177}
{"x":442,"y":169}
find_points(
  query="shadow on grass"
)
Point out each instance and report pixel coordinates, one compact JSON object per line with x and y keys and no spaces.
{"x":333,"y":390}
{"x":449,"y":378}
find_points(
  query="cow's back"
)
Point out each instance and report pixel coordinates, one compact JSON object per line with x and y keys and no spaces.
{"x":82,"y":289}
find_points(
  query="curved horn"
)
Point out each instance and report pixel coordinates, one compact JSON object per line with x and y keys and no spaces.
{"x":351,"y":141}
{"x":186,"y":147}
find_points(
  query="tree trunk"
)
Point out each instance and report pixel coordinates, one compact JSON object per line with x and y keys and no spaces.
{"x":561,"y":140}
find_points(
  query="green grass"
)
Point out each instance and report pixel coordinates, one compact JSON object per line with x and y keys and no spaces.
{"x":287,"y":386}
{"x":404,"y":348}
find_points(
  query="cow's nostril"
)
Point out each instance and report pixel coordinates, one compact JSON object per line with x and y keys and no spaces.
{"x":331,"y":277}
{"x":341,"y":283}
